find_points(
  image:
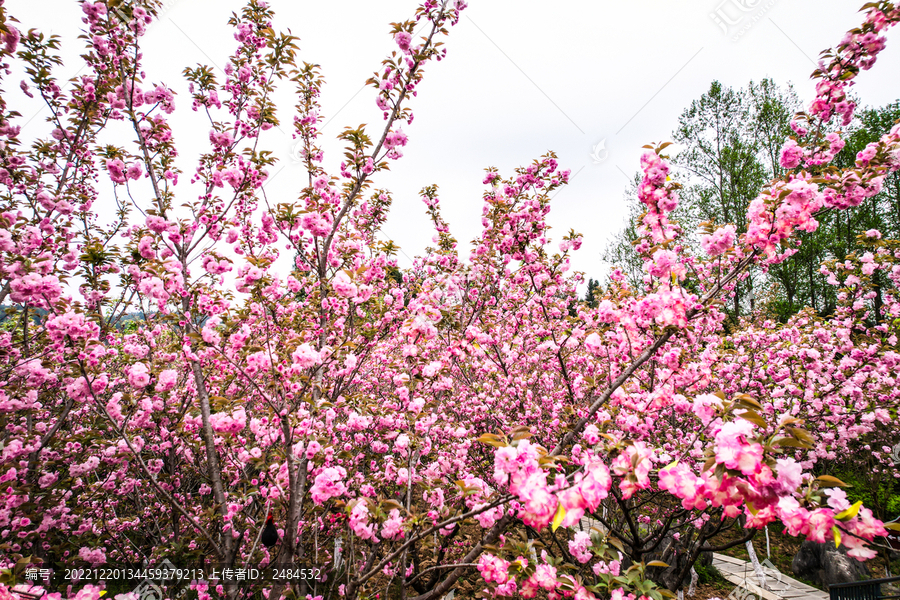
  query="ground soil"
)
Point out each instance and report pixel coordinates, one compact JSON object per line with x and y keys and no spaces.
{"x":718,"y":589}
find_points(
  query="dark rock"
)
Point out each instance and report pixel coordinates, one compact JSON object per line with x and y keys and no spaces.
{"x":676,"y":555}
{"x":705,"y":557}
{"x":823,"y":564}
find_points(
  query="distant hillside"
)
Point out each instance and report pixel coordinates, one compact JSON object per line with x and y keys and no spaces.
{"x":8,"y":311}
{"x":11,"y":312}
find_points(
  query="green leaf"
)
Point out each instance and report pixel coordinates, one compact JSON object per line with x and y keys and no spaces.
{"x":391,"y":504}
{"x":617,"y":544}
{"x":848,"y":514}
{"x":753,"y":417}
{"x":749,"y":400}
{"x":671,"y":465}
{"x":491,"y":440}
{"x":791,"y":442}
{"x":829,"y":481}
{"x":521,"y":433}
{"x":560,"y":515}
{"x":802,"y":435}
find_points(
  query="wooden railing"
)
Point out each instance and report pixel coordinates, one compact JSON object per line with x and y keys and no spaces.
{"x":862,"y":590}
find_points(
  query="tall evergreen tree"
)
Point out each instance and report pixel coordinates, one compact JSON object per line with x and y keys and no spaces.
{"x":592,"y":292}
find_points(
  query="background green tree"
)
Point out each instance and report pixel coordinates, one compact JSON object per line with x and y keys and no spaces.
{"x":731,"y":142}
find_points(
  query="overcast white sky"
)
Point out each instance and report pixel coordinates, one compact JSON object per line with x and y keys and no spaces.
{"x":521,"y":78}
